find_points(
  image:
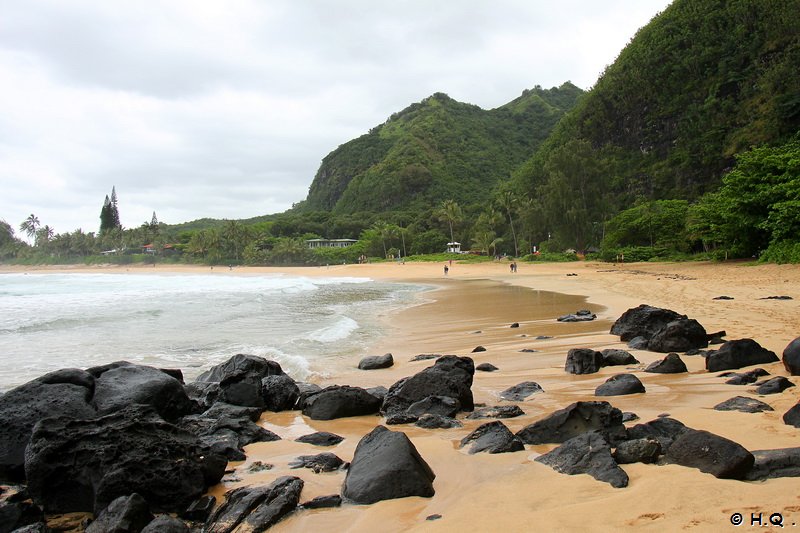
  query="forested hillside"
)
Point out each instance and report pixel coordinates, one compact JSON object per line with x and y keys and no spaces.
{"x":704,"y":81}
{"x":435,"y":150}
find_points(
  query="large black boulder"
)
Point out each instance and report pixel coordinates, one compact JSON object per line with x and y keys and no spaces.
{"x":240,"y":379}
{"x":256,"y":509}
{"x":125,"y":514}
{"x":449,"y":376}
{"x":679,"y":336}
{"x":386,"y":465}
{"x":792,"y":416}
{"x":643,"y":321}
{"x":665,"y":430}
{"x":784,"y":462}
{"x":280,"y":392}
{"x":573,"y":420}
{"x":671,"y":364}
{"x":710,"y":453}
{"x":376,"y":362}
{"x":583,"y":361}
{"x":774,"y":385}
{"x":620,"y":385}
{"x":83,"y":465}
{"x":121,"y":384}
{"x":791,"y":357}
{"x":492,"y":437}
{"x":339,"y":401}
{"x":737,"y":354}
{"x":616,"y":357}
{"x":588,"y":453}
{"x":743,"y":404}
{"x":62,"y":393}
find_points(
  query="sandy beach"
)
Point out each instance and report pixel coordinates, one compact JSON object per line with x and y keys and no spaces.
{"x":475,"y":305}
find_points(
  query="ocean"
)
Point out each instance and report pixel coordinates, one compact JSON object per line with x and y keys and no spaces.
{"x":192,"y":322}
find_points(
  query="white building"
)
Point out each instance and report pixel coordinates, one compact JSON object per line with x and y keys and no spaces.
{"x":330,"y":243}
{"x":454,"y":247}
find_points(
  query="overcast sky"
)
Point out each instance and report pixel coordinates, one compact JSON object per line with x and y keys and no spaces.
{"x":225,"y":109}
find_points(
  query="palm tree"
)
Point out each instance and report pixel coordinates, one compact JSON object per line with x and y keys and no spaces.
{"x":486,"y":241}
{"x":450,"y":211}
{"x":30,"y":225}
{"x":44,"y":235}
{"x":508,"y":201}
{"x":383,"y":230}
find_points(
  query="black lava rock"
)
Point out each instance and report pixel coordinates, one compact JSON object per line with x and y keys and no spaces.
{"x":431,"y":421}
{"x":615,"y":357}
{"x":770,"y":464}
{"x":486,"y":367}
{"x":520,"y":391}
{"x":497,"y":411}
{"x":322,"y":462}
{"x":583,"y":361}
{"x":436,"y":405}
{"x":791,"y":357}
{"x":83,"y":465}
{"x":665,"y":430}
{"x":256,"y":508}
{"x":644,"y":450}
{"x":620,"y":385}
{"x":739,"y":353}
{"x":587,"y":453}
{"x":280,"y":392}
{"x":671,"y":364}
{"x":321,"y":438}
{"x":449,"y":376}
{"x":643,"y":321}
{"x":339,"y":401}
{"x":386,"y":465}
{"x":62,"y":393}
{"x":711,"y":453}
{"x":376,"y":362}
{"x":574,"y":420}
{"x":743,"y":404}
{"x":678,"y":336}
{"x":492,"y":437}
{"x":775,"y":385}
{"x":126,"y":513}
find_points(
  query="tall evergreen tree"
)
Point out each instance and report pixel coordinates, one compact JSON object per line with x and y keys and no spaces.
{"x":115,"y":209}
{"x":106,"y":217}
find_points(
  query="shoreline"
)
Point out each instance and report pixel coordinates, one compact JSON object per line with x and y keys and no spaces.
{"x":509,"y":491}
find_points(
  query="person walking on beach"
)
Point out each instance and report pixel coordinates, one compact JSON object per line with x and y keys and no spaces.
{"x":446,"y":270}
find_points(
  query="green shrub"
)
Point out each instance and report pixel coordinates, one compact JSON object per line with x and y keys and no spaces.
{"x":550,"y":257}
{"x":781,"y":252}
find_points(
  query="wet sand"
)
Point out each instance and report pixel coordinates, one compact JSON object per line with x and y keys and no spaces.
{"x":475,"y":305}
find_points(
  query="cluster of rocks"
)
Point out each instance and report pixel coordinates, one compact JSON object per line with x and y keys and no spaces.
{"x":136,"y":445}
{"x":583,"y":315}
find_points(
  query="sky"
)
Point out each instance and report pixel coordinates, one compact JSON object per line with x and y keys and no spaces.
{"x":225,"y":109}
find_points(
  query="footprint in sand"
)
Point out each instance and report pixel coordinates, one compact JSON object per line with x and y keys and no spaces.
{"x":647,"y":517}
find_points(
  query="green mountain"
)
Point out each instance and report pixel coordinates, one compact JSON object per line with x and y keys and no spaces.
{"x":434,"y":150}
{"x":703,"y":81}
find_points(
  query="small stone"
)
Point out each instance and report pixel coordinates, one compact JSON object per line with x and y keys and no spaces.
{"x":486,"y":367}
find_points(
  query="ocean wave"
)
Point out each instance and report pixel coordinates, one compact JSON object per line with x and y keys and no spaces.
{"x":339,"y":330}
